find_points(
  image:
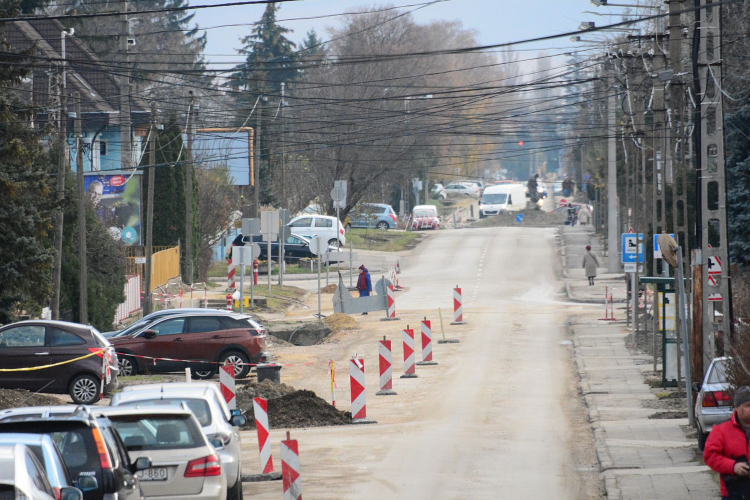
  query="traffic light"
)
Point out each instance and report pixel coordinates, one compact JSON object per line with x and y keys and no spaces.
{"x":520,"y":143}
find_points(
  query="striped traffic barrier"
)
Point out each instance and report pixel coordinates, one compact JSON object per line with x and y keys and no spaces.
{"x":226,"y":385}
{"x":231,"y":270}
{"x":390,"y":314}
{"x":384,"y":361}
{"x":229,"y":302}
{"x":426,"y":344}
{"x":458,"y":307}
{"x":357,"y":382}
{"x":260,"y":411}
{"x":398,"y":267}
{"x":409,"y":368}
{"x":290,"y":469}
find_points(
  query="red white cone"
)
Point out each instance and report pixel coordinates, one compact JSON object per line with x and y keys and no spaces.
{"x":458,"y":307}
{"x":226,"y":385}
{"x":409,"y":368}
{"x":260,"y":410}
{"x":426,"y":344}
{"x":357,"y":382}
{"x":290,"y":470}
{"x":386,"y":377}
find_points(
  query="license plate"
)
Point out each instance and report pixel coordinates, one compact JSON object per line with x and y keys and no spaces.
{"x":153,"y":474}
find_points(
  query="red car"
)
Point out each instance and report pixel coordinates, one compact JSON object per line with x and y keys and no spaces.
{"x":424,"y":219}
{"x":196,"y":341}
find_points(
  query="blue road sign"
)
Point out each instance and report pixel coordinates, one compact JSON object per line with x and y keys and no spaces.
{"x":519,"y":218}
{"x":632,"y":248}
{"x":657,"y":250}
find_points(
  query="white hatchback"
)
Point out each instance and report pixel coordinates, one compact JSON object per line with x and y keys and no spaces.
{"x":330,"y":229}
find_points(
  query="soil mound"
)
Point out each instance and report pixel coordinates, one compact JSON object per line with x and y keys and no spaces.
{"x":296,"y":409}
{"x":16,"y":398}
{"x":339,"y":321}
{"x":329,"y":289}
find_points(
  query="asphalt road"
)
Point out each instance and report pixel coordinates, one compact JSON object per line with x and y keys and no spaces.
{"x":499,"y":417}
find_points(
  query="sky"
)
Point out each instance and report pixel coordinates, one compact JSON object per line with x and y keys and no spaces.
{"x":493,"y":21}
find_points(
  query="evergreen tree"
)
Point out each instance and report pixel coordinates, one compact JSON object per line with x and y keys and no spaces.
{"x":738,"y":183}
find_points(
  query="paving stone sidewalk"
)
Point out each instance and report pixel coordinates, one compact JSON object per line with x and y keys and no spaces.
{"x":640,"y":458}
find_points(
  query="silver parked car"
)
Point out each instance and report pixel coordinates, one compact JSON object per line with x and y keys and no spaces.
{"x":212,"y":413}
{"x":713,"y":405}
{"x":23,"y":477}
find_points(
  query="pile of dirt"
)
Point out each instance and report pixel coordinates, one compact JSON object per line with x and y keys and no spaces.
{"x":538,"y":218}
{"x":266,"y":389}
{"x":329,"y":289}
{"x":339,"y":321}
{"x":297,"y":409}
{"x":16,"y":398}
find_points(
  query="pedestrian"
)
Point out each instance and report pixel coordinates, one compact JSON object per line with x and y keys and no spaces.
{"x":590,"y":263}
{"x":727,"y":449}
{"x":364,"y":284}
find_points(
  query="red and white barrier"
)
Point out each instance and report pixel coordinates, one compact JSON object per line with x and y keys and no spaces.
{"x":226,"y":385}
{"x":385,"y":362}
{"x":231,"y":271}
{"x":357,"y":381}
{"x":409,"y":367}
{"x":426,"y":343}
{"x":229,"y":302}
{"x":133,"y":295}
{"x":180,"y":298}
{"x":260,"y":411}
{"x":290,"y":470}
{"x":609,"y":306}
{"x":458,"y":307}
{"x":390,"y":314}
{"x":398,"y":267}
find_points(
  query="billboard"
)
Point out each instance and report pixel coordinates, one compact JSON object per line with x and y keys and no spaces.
{"x":117,"y":200}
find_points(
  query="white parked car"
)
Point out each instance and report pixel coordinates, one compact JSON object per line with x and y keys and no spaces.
{"x":330,"y":229}
{"x":461,"y":189}
{"x":713,"y":404}
{"x":438,"y":192}
{"x":23,"y":477}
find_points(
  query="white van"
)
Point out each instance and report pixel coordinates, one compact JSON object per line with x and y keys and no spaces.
{"x":328,"y":228}
{"x":502,"y":198}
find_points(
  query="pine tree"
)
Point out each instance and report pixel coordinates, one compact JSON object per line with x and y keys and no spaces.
{"x":738,"y":183}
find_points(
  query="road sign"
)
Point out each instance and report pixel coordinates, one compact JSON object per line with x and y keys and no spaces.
{"x":657,"y":250}
{"x":269,"y":224}
{"x":338,"y":194}
{"x":712,"y":280}
{"x":632,"y":248}
{"x":317,"y":245}
{"x":140,"y":260}
{"x":250,"y":227}
{"x":563,"y":202}
{"x":714,"y":297}
{"x":519,"y":218}
{"x":714,"y":265}
{"x":630,"y":267}
{"x":285,"y":232}
{"x":250,"y":251}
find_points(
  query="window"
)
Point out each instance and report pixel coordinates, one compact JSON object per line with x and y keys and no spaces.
{"x":303,"y":222}
{"x":204,"y":325}
{"x":198,"y":407}
{"x":235,"y":323}
{"x":102,"y":148}
{"x":718,"y":373}
{"x":293,"y":240}
{"x":23,"y":336}
{"x":73,"y":448}
{"x":157,"y":433}
{"x":323,"y":222}
{"x":170,"y":327}
{"x":58,"y":338}
{"x":35,"y":474}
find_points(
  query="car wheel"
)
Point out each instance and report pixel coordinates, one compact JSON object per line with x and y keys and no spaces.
{"x":333,"y":242}
{"x":202,"y":374}
{"x":85,"y":389}
{"x":702,"y":436}
{"x":127,"y":365}
{"x":239,"y":360}
{"x":383,"y":226}
{"x":235,"y":492}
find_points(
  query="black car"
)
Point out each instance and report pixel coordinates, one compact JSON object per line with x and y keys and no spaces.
{"x":89,"y":446}
{"x":296,"y":247}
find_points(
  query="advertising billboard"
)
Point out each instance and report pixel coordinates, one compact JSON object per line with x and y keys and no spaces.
{"x":117,"y":200}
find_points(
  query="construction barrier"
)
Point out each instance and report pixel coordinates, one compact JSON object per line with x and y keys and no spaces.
{"x":226,"y":385}
{"x":409,"y":367}
{"x":609,"y":306}
{"x":290,"y":470}
{"x":458,"y":307}
{"x":426,"y":344}
{"x":132,"y":302}
{"x":390,"y":314}
{"x":260,"y":411}
{"x":231,"y":271}
{"x":229,"y":302}
{"x":357,"y":382}
{"x":398,"y":267}
{"x":386,"y":377}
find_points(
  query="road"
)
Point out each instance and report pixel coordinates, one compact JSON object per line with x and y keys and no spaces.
{"x":499,"y":417}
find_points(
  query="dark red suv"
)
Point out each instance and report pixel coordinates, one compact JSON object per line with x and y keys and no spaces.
{"x":188,"y":339}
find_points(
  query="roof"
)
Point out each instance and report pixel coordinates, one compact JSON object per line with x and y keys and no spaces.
{"x":48,"y":322}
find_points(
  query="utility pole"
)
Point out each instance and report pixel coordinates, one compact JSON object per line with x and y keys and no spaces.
{"x":257,"y":153}
{"x":283,"y":173}
{"x":83,"y":295}
{"x":188,"y":277}
{"x":148,"y":306}
{"x":126,"y":153}
{"x":62,"y":170}
{"x":613,"y":239}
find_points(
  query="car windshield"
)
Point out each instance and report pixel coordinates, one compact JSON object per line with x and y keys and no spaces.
{"x":158,"y":432}
{"x":495,"y":198}
{"x":199,"y":407}
{"x":423,"y":214}
{"x":718,"y":373}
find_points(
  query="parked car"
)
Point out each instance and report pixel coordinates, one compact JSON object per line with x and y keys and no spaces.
{"x":150,"y":318}
{"x":713,"y":404}
{"x":375,"y":215}
{"x":296,"y":247}
{"x":187,"y":340}
{"x":29,"y":344}
{"x":479,"y":185}
{"x":22,"y":477}
{"x":502,"y":198}
{"x":425,"y":217}
{"x":205,"y":401}
{"x":88,"y":444}
{"x":460,"y":189}
{"x":438,"y":192}
{"x":330,"y":229}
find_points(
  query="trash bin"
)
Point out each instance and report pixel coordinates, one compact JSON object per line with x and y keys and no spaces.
{"x":270,"y":372}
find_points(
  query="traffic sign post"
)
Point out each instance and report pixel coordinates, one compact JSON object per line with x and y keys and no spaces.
{"x":657,"y":250}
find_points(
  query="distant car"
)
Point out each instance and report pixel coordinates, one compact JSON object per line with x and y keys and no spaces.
{"x":457,"y":189}
{"x":205,"y":401}
{"x":296,"y":247}
{"x":425,"y":217}
{"x":479,"y":185}
{"x":438,"y":192}
{"x":29,"y":344}
{"x":713,"y":404}
{"x":330,"y":229}
{"x":196,"y":341}
{"x":22,"y":477}
{"x":150,"y":318}
{"x":377,"y":215}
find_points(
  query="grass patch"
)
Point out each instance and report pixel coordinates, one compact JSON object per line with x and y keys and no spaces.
{"x":383,"y":241}
{"x":218,"y":269}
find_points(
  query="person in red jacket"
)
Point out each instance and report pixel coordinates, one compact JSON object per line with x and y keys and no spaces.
{"x":728,"y":446}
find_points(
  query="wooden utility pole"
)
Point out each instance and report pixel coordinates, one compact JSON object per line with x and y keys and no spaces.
{"x":188,"y":277}
{"x":83,"y":295}
{"x":148,"y":305}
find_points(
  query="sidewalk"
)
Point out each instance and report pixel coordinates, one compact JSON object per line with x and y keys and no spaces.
{"x":640,"y":458}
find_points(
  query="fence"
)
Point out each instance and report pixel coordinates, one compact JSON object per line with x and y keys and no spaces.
{"x":132,"y":299}
{"x":165,"y":265}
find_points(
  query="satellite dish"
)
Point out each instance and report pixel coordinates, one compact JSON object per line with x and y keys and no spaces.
{"x":668,"y":247}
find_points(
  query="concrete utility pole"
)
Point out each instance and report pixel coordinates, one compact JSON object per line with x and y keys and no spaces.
{"x":83,"y":295}
{"x":257,"y":153}
{"x":613,"y":238}
{"x":188,"y":277}
{"x":713,"y":216}
{"x":62,"y":170}
{"x":148,"y":305}
{"x":283,"y":173}
{"x":126,"y":152}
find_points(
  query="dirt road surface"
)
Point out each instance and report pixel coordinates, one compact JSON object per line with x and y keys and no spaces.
{"x":499,"y":417}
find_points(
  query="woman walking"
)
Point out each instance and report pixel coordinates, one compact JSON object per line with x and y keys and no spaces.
{"x":590,"y":263}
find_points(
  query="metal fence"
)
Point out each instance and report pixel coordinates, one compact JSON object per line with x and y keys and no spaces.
{"x":132,"y":299}
{"x":165,"y":263}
